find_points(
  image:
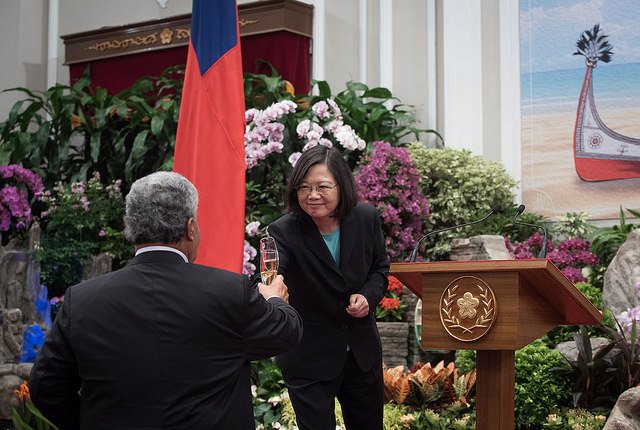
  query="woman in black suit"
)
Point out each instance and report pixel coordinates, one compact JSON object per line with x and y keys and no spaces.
{"x":334,"y":262}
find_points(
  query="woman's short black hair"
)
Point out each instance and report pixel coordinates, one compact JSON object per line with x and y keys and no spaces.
{"x":348,"y":197}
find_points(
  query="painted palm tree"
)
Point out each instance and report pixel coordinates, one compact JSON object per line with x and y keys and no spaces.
{"x":599,"y":152}
{"x":594,"y":47}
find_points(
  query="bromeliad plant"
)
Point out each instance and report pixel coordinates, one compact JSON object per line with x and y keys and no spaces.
{"x":20,"y":189}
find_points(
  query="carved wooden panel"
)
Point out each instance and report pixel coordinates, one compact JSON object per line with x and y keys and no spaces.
{"x":254,"y":18}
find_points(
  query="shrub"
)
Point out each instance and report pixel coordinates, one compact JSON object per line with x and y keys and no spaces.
{"x":389,"y":181}
{"x":82,"y":220}
{"x":539,"y":386}
{"x":460,"y":187}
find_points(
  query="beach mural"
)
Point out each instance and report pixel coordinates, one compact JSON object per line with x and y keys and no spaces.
{"x":580,"y":84}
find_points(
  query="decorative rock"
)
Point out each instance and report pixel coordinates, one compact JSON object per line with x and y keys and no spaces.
{"x":96,"y":266}
{"x":626,"y":413}
{"x":8,"y":400}
{"x":394,"y":336}
{"x":483,"y":247}
{"x":622,"y":276}
{"x":20,"y":283}
{"x":570,"y":350}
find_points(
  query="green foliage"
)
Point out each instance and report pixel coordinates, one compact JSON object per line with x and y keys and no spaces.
{"x":539,"y":387}
{"x":454,"y":417}
{"x":261,"y":90}
{"x":31,"y":419}
{"x":503,"y":224}
{"x":374,"y":113}
{"x":269,"y":385}
{"x":606,"y":241}
{"x":288,"y":414}
{"x":69,"y":132}
{"x":451,"y":180}
{"x":574,"y":224}
{"x":82,"y":220}
{"x":593,"y":386}
{"x":571,"y":419}
{"x":626,"y":364}
{"x":465,"y":360}
{"x":26,"y":416}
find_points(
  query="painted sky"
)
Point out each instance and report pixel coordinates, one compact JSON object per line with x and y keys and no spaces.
{"x":549,"y":30}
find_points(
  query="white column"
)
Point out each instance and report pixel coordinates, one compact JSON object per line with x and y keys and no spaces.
{"x":363,"y":41}
{"x":462,"y":74}
{"x":318,"y":57}
{"x":52,"y":43}
{"x":386,"y":44}
{"x":510,"y":98}
{"x":431,"y":47}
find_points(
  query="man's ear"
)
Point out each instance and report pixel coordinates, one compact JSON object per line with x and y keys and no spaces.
{"x":191,"y":229}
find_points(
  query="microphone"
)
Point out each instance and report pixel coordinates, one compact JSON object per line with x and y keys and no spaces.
{"x":543,"y":248}
{"x":414,"y":253}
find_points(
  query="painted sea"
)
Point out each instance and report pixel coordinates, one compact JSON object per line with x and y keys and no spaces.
{"x":558,"y":91}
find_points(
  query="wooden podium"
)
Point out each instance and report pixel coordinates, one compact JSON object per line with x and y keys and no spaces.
{"x":494,"y":307}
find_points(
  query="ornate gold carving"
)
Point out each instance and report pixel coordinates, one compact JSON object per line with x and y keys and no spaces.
{"x":244,"y":22}
{"x":125,"y":43}
{"x":467,"y":308}
{"x":183,"y":33}
{"x":165,"y":36}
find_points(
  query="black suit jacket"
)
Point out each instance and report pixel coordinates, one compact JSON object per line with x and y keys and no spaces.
{"x":159,"y":344}
{"x":320,"y":291}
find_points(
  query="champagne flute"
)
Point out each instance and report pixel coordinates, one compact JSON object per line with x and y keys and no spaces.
{"x":268,"y":259}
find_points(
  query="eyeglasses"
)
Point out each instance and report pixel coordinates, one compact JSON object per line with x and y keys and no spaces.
{"x":305,"y":190}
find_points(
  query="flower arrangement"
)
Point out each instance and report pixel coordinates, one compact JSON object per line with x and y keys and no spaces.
{"x":20,"y":188}
{"x":391,"y":308}
{"x":570,"y":256}
{"x":389,"y":181}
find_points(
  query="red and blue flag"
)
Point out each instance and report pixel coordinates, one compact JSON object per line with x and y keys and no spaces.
{"x":209,"y":147}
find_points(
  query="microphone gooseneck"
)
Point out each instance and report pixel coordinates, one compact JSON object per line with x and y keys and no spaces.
{"x":543,"y":247}
{"x":414,"y":253}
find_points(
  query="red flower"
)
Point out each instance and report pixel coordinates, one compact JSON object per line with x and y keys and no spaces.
{"x":389,"y":303}
{"x":395,"y":285}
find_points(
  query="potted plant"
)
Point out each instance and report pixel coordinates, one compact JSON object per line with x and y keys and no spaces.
{"x":394,"y":332}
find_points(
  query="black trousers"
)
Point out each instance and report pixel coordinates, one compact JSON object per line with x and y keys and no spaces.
{"x":360,"y":395}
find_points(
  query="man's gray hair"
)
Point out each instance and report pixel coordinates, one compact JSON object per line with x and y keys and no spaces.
{"x":158,"y":207}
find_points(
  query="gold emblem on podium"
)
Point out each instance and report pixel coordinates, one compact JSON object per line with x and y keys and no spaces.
{"x":467,"y":308}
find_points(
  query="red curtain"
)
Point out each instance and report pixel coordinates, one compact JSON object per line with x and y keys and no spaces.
{"x":287,"y":52}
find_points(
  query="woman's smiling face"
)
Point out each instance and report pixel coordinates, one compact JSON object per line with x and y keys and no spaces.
{"x":320,"y":207}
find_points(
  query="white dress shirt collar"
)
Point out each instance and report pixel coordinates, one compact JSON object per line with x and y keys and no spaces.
{"x":162,"y":248}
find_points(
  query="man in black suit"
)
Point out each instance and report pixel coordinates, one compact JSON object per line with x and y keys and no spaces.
{"x":161,"y":343}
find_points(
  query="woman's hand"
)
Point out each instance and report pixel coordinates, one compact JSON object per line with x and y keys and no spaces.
{"x":358,"y":306}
